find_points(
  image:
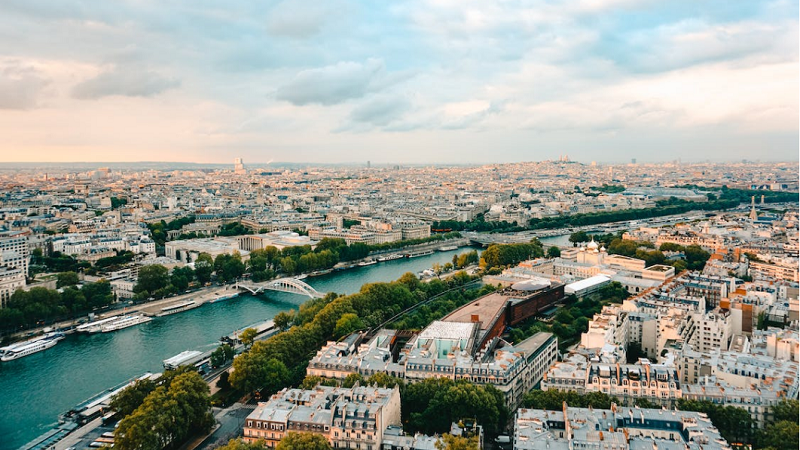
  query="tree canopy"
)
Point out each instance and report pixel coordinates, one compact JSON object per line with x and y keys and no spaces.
{"x":303,"y":441}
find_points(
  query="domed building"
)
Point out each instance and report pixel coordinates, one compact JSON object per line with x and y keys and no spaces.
{"x":592,"y":254}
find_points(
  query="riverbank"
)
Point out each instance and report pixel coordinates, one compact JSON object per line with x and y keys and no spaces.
{"x":51,"y":382}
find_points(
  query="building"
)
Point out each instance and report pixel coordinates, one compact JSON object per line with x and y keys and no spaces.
{"x":188,"y":250}
{"x":618,"y":428}
{"x":277,"y":239}
{"x":238,"y":167}
{"x":586,"y":286}
{"x":353,"y":418}
{"x":443,"y":350}
{"x":11,"y":279}
{"x":14,"y":250}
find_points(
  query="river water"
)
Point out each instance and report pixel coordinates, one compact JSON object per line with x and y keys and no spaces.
{"x":35,"y":389}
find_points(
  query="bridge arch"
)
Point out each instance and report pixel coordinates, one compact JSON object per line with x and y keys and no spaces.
{"x":288,"y":285}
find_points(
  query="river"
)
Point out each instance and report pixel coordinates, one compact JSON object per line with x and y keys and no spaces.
{"x":35,"y":389}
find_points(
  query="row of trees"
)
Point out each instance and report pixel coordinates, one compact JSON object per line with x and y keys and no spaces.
{"x":478,"y":224}
{"x":576,"y":220}
{"x":436,"y":309}
{"x":56,"y":262}
{"x":40,"y":305}
{"x":695,"y":256}
{"x":163,"y":413}
{"x":291,"y":441}
{"x":501,"y":255}
{"x":320,"y":320}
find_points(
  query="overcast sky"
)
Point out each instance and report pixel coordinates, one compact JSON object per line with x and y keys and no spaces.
{"x":455,"y":81}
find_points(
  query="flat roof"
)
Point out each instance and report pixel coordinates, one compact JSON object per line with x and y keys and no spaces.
{"x":588,"y":282}
{"x":486,"y":308}
{"x":447,"y":330}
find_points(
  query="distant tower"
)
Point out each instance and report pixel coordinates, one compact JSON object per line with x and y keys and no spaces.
{"x":753,"y":213}
{"x":369,"y":164}
{"x":633,"y":160}
{"x":238,"y":166}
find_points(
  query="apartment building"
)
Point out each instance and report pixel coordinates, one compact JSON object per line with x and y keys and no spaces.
{"x":353,"y":418}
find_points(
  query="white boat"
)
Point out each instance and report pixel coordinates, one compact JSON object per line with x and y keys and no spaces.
{"x":180,"y":307}
{"x":96,"y":326}
{"x":125,"y":322}
{"x":367,"y":263}
{"x":30,"y":347}
{"x":391,"y":257}
{"x":302,"y":276}
{"x":447,"y":248}
{"x":223,"y":297}
{"x":420,"y":253}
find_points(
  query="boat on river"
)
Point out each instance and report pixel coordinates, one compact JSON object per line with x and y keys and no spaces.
{"x":125,"y":322}
{"x":180,"y":307}
{"x":29,"y":347}
{"x":96,"y":326}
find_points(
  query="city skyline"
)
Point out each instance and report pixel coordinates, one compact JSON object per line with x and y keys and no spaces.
{"x":430,"y":83}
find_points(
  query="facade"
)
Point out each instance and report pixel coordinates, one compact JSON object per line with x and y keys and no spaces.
{"x":11,"y":279}
{"x":353,"y":418}
{"x":14,"y":250}
{"x":277,"y":239}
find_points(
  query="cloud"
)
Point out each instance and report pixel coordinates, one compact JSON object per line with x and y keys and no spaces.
{"x":301,"y":19}
{"x":338,"y":83}
{"x":124,"y":81}
{"x":20,"y":86}
{"x":380,"y":111}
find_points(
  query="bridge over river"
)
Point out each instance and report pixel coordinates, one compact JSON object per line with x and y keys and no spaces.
{"x":288,"y":285}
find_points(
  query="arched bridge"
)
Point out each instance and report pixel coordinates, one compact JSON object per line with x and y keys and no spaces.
{"x":289,"y":285}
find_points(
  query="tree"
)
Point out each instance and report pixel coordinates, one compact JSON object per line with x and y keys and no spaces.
{"x":152,"y":278}
{"x":203,"y":267}
{"x":782,"y":435}
{"x":221,"y":355}
{"x":430,"y":406}
{"x":168,"y":415}
{"x":579,"y":236}
{"x":347,"y":324}
{"x":238,"y":444}
{"x":67,"y":279}
{"x":277,"y":376}
{"x":450,"y":442}
{"x":303,"y":441}
{"x":284,"y":320}
{"x":247,"y":336}
{"x":351,"y":380}
{"x":181,"y":276}
{"x":310,"y":382}
{"x":224,"y":380}
{"x":128,"y":399}
{"x":786,"y":410}
{"x":98,"y":294}
{"x":553,"y":252}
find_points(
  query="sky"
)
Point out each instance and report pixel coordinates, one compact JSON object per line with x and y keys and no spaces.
{"x":423,"y":81}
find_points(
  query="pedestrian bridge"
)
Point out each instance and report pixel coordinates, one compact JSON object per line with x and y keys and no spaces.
{"x":288,"y":285}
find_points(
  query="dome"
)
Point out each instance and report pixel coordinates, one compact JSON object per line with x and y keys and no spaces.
{"x":592,"y":245}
